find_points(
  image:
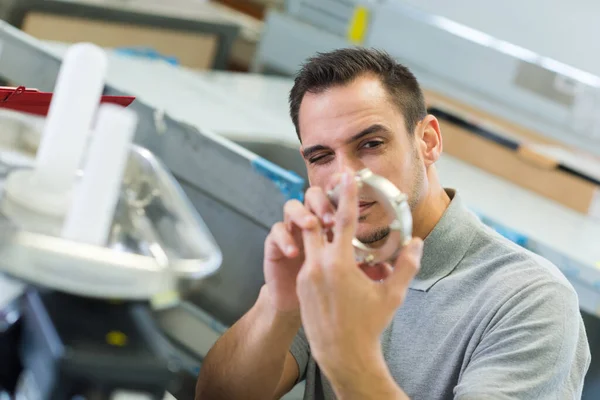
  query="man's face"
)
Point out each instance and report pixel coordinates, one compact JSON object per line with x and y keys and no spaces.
{"x":357,"y":126}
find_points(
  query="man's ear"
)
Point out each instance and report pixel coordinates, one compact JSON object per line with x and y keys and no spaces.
{"x":429,"y":139}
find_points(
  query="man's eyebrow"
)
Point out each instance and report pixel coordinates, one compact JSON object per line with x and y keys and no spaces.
{"x":368,"y":131}
{"x":365,"y":132}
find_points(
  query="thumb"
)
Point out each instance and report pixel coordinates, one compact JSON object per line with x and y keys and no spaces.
{"x":406,"y":266}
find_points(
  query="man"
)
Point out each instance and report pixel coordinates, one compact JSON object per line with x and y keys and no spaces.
{"x":482,"y":318}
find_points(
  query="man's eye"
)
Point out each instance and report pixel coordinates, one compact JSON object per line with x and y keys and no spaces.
{"x":319,"y":159}
{"x":371,"y":144}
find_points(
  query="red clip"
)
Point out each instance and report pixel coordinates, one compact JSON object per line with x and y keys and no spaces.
{"x":19,"y":90}
{"x":33,"y":101}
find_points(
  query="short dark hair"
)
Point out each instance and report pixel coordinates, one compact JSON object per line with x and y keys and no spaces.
{"x":342,"y":66}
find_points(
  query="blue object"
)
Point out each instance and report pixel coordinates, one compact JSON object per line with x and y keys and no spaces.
{"x":570,"y":272}
{"x":508,"y":233}
{"x":147,"y":52}
{"x":288,"y":182}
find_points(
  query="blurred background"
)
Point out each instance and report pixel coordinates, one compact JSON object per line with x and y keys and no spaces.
{"x":515,"y":84}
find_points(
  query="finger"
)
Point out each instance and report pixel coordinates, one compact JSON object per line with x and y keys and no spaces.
{"x":313,"y":239}
{"x":336,"y":180}
{"x":405,"y":268}
{"x":346,"y":217}
{"x":318,"y":203}
{"x":280,"y":243}
{"x":296,"y":233}
{"x":295,"y":213}
{"x":333,"y":189}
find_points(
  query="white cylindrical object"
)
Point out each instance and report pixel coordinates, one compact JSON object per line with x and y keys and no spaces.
{"x":95,"y":197}
{"x":74,"y":104}
{"x":47,"y":188}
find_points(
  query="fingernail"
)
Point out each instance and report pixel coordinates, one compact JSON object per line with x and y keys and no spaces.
{"x":289,"y":250}
{"x":309,"y":220}
{"x":328,"y":218}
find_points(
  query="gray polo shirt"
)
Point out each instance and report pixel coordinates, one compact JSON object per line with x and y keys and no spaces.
{"x":484,"y":319}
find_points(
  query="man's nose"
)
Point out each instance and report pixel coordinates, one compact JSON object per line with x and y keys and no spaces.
{"x":347,"y":164}
{"x":343,"y":166}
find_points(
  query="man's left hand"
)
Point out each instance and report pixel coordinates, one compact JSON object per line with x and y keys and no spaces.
{"x":344,"y":312}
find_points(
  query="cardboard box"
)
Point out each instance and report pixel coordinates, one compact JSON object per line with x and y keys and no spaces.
{"x":192,"y":49}
{"x":511,"y":152}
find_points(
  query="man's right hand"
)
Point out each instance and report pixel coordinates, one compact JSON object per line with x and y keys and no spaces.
{"x":263,"y":336}
{"x":284,"y":250}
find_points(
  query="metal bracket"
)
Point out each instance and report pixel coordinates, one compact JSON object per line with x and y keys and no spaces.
{"x":396,"y":204}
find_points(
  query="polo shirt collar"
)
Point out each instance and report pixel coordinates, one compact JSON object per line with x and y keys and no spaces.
{"x":446,"y":244}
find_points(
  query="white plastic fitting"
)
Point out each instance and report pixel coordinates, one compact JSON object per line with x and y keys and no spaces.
{"x":47,"y":188}
{"x":96,"y":195}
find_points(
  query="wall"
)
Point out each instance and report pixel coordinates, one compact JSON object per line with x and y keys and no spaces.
{"x":567,"y":30}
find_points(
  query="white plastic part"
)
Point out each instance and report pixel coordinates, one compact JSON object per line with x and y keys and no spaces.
{"x":95,"y":197}
{"x":84,"y":270}
{"x":33,"y":249}
{"x":46,"y":189}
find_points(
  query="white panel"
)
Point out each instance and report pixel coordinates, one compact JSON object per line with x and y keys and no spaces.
{"x":562,"y":29}
{"x":477,"y":68}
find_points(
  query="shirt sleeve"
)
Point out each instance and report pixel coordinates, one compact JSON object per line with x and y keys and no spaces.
{"x":535,"y":347}
{"x":301,"y":352}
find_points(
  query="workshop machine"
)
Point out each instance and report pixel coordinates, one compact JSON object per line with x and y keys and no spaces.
{"x":155,"y":254}
{"x":95,"y":236}
{"x":238,"y":194}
